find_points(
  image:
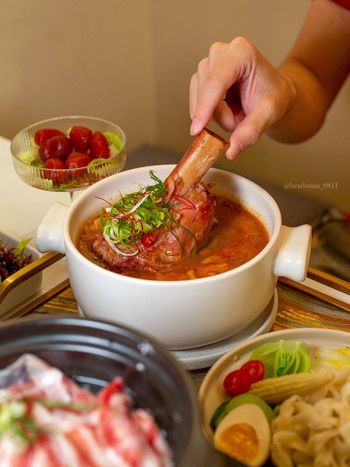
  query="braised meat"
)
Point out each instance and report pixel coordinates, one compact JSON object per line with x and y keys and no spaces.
{"x":191,"y":215}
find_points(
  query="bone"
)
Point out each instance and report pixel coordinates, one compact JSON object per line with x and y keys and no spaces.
{"x":204,"y":151}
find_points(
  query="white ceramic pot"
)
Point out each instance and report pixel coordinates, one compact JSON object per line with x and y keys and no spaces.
{"x":182,"y":314}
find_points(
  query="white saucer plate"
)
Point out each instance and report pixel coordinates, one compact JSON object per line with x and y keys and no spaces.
{"x":206,"y":356}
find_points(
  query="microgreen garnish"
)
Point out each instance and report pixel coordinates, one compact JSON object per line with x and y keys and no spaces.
{"x":70,"y":406}
{"x":22,"y":245}
{"x":135,"y":214}
{"x":15,"y":419}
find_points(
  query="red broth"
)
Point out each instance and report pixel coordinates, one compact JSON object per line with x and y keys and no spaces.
{"x":236,"y":237}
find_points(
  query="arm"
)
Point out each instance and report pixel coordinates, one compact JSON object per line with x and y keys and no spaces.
{"x":246,"y":95}
{"x":318,"y":64}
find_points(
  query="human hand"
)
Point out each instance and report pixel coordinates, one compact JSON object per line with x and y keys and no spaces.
{"x":237,"y":87}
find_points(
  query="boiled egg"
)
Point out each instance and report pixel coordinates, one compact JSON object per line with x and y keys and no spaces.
{"x":244,"y":434}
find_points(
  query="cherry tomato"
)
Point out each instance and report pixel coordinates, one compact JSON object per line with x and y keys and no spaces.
{"x":81,"y":138}
{"x":99,"y":146}
{"x":42,"y":135}
{"x":57,"y":146}
{"x":255,"y":369}
{"x":52,"y":170}
{"x":76,"y":160}
{"x":237,"y":382}
{"x":148,"y":239}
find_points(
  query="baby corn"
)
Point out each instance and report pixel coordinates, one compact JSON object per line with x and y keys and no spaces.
{"x":274,"y":390}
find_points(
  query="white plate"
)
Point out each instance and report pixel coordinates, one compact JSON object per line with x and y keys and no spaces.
{"x":204,"y":357}
{"x":211,"y":393}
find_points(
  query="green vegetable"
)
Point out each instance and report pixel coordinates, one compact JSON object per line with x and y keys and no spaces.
{"x":22,"y":245}
{"x":338,"y":358}
{"x":14,"y":419}
{"x":231,"y":404}
{"x":72,"y":406}
{"x":283,"y":358}
{"x":113,"y":139}
{"x":102,"y":167}
{"x":43,"y":183}
{"x":219,"y":414}
{"x":29,"y":157}
{"x":91,"y":167}
{"x":134,"y":214}
{"x":37,"y":163}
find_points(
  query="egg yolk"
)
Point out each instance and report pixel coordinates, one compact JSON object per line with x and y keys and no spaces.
{"x":239,"y":441}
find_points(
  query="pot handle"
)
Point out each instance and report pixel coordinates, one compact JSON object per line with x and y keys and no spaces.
{"x":294,"y":253}
{"x":50,"y":234}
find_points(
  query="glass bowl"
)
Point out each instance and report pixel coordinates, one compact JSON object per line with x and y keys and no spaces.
{"x":29,"y":167}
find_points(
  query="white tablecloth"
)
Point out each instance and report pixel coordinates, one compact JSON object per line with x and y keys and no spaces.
{"x":21,"y":207}
{"x":21,"y":210}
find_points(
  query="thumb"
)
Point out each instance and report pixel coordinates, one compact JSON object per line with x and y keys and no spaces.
{"x":248,"y":132}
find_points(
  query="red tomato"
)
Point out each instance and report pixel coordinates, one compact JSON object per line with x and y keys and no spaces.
{"x":52,"y":170}
{"x":99,"y":146}
{"x":57,"y":146}
{"x":81,"y":138}
{"x":54,"y":163}
{"x":76,"y":160}
{"x":148,"y":239}
{"x":42,"y":135}
{"x":255,"y":369}
{"x":237,"y":382}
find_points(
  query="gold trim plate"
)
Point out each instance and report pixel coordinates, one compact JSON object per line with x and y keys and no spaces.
{"x":27,"y":272}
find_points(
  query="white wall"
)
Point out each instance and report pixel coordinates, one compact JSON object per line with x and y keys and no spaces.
{"x":131,"y":60}
{"x":84,"y":57}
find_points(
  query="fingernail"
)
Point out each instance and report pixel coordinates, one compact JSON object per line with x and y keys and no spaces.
{"x":228,"y":155}
{"x":195,"y":127}
{"x":232,"y":152}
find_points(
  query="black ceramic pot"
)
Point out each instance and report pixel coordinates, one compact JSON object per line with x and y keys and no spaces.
{"x":92,"y":353}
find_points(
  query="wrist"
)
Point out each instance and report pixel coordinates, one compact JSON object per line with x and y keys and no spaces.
{"x":282,"y":130}
{"x":292,"y":92}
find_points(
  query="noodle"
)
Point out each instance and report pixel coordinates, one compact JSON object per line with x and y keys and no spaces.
{"x":314,"y":430}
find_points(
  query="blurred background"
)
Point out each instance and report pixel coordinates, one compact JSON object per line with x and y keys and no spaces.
{"x":131,"y":62}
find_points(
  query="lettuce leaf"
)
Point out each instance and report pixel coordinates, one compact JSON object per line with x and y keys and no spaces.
{"x":113,"y":139}
{"x":21,"y":247}
{"x":283,"y":358}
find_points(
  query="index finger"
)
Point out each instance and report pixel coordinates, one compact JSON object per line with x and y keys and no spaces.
{"x":212,"y":87}
{"x":209,"y":93}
